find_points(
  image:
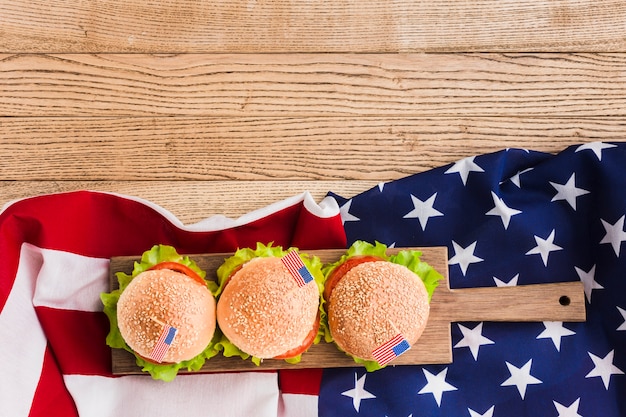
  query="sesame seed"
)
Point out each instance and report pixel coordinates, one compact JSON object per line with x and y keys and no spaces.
{"x":372,"y":303}
{"x":264,"y":312}
{"x":178,"y":301}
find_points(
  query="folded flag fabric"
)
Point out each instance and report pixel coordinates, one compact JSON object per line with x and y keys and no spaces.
{"x":514,"y":217}
{"x":55,"y":256}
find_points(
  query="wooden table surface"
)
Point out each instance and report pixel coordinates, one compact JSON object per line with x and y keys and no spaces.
{"x":222,"y":107}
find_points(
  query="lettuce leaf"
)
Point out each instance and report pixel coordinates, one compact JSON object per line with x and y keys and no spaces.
{"x":407,"y":258}
{"x":156,"y":255}
{"x":243,"y":255}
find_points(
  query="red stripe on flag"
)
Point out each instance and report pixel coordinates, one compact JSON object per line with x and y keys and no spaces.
{"x":300,"y":381}
{"x":77,"y":340}
{"x":51,"y":393}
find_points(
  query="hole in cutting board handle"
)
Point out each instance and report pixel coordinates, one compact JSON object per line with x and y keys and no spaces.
{"x":564,"y":300}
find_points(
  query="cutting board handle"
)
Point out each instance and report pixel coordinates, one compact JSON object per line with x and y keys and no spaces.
{"x":563,"y":301}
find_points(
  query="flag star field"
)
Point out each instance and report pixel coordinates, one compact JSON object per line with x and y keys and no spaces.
{"x":514,"y":217}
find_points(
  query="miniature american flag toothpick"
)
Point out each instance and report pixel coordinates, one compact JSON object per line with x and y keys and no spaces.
{"x":297,"y":269}
{"x":164,"y":342}
{"x":391,"y":349}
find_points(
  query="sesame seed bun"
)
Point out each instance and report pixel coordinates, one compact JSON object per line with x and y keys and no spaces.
{"x":262,"y":310}
{"x":157,"y":297}
{"x":372,"y":303}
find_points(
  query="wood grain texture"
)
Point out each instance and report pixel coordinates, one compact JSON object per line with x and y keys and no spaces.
{"x":542,"y":302}
{"x":563,"y":301}
{"x":306,"y":26}
{"x":253,"y":85}
{"x":272,"y":148}
{"x":193,"y":201}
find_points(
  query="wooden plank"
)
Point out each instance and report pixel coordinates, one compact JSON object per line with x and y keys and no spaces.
{"x":305,"y":26}
{"x":256,"y":85}
{"x":321,"y":355}
{"x":564,"y":301}
{"x":304,"y":148}
{"x":193,"y":201}
{"x":522,"y":303}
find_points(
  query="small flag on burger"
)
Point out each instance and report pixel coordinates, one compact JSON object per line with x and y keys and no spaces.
{"x":168,"y":333}
{"x":297,"y":269}
{"x":391,"y":349}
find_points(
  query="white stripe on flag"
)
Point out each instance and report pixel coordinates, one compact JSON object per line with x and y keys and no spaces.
{"x":22,"y":341}
{"x":199,"y":395}
{"x":69,"y":281}
{"x":297,"y":405}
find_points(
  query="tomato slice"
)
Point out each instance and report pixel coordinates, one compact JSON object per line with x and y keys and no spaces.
{"x":308,"y":341}
{"x":152,"y":361}
{"x":183,"y":269}
{"x":338,"y":273}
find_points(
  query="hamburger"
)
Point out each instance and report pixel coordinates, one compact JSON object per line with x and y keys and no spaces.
{"x":269,"y":303}
{"x":163,"y":313}
{"x":377,"y":305}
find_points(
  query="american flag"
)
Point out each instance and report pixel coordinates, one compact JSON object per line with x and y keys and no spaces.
{"x":391,"y":349}
{"x":513,"y":217}
{"x":297,"y":269}
{"x":163,"y":343}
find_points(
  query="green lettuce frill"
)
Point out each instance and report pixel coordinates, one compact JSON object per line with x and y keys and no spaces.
{"x":150,"y":258}
{"x":408,"y":258}
{"x":239,"y":258}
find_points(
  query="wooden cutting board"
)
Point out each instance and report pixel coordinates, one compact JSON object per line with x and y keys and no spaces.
{"x":527,"y":303}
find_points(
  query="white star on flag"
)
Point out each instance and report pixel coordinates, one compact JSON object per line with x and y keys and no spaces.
{"x":358,"y":393}
{"x":623,"y":313}
{"x":344,"y":212}
{"x":488,"y":413}
{"x":604,"y":368}
{"x":615,"y":234}
{"x":381,"y":186}
{"x":596,"y":147}
{"x":555,"y":331}
{"x":501,"y":209}
{"x":589,"y":281}
{"x":423,"y":210}
{"x":512,"y":282}
{"x":544,"y":247}
{"x":568,"y":191}
{"x":464,"y":167}
{"x":521,"y":377}
{"x":436,"y":385}
{"x":571,"y":411}
{"x":464,"y":257}
{"x":473,"y":339}
{"x":515,"y":179}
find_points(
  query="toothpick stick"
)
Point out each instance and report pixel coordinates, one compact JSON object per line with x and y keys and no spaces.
{"x":393,"y":326}
{"x":157,"y":321}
